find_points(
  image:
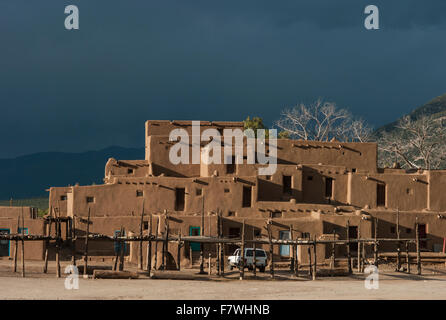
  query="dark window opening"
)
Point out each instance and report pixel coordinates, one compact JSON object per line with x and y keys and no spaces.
{"x":328,"y":187}
{"x":146,"y":225}
{"x":139,"y":193}
{"x":130,"y":171}
{"x":287,"y":184}
{"x":380,"y":195}
{"x":179,"y":199}
{"x":268,"y":177}
{"x":422,"y":234}
{"x":246,"y":201}
{"x":231,"y":214}
{"x":353,"y":234}
{"x":198,"y":192}
{"x":230,"y":167}
{"x":90,"y":199}
{"x":226,"y":190}
{"x":256,"y":233}
{"x":353,"y":170}
{"x":63,"y":198}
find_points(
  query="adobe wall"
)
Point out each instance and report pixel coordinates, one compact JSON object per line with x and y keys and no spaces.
{"x":125,"y":168}
{"x":14,"y":212}
{"x":34,"y":250}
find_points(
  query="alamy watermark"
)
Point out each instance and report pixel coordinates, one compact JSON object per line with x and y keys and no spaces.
{"x":372,"y":280}
{"x":211,"y":153}
{"x":72,"y":280}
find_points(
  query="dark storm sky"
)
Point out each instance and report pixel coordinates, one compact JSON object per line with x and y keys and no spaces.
{"x":134,"y":60}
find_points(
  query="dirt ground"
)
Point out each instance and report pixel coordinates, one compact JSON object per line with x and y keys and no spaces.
{"x":392,"y":285}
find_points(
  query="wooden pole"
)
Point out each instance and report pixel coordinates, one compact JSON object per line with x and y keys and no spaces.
{"x":363,"y":257}
{"x":218,"y":247}
{"x":122,"y":251}
{"x":202,"y":234}
{"x":179,"y":253}
{"x":118,"y":252}
{"x":349,"y":257}
{"x":222,"y":249}
{"x":47,"y":244}
{"x":398,"y":249}
{"x":310,"y":265}
{"x":86,"y":244}
{"x":333,"y":250}
{"x":16,"y":251}
{"x":271,"y":251}
{"x":291,"y":249}
{"x":73,"y":240}
{"x":209,"y":264}
{"x":140,"y":260}
{"x":296,"y":259}
{"x":359,"y":246}
{"x":166,"y":246}
{"x":417,"y":234}
{"x":407,"y":257}
{"x":242,"y":253}
{"x":375,"y":251}
{"x":23,"y":245}
{"x":156,"y":242}
{"x":57,"y":226}
{"x":149,"y":248}
{"x":315,"y":259}
{"x":254,"y":254}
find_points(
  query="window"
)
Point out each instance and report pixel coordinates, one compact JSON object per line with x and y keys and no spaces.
{"x":130,"y":171}
{"x":25,"y":231}
{"x":179,"y":199}
{"x":139,"y":193}
{"x":63,"y":198}
{"x":246,"y":201}
{"x":146,"y":225}
{"x":90,"y":199}
{"x":226,"y":190}
{"x":231,"y":214}
{"x":268,"y":177}
{"x":257,"y":233}
{"x":380,"y":195}
{"x":328,"y":187}
{"x":198,"y":192}
{"x":287,"y":184}
{"x":354,"y":170}
{"x":230,"y":167}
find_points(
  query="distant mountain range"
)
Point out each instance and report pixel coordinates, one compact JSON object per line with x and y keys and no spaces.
{"x":30,"y":175}
{"x":436,"y":107}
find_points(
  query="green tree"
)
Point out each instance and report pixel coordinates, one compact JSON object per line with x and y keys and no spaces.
{"x":254,"y":124}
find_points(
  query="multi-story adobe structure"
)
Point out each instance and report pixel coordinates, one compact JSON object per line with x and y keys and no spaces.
{"x":316,"y":189}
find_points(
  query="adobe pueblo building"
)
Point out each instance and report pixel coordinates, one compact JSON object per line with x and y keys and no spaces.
{"x":319,"y":191}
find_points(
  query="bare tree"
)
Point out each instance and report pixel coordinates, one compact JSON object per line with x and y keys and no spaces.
{"x":322,"y":121}
{"x":418,"y":143}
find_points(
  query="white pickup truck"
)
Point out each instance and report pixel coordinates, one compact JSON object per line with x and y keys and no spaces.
{"x":261,"y":259}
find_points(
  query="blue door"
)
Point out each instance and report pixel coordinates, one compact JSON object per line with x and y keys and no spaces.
{"x":4,"y":244}
{"x":194,"y":231}
{"x":285,"y":249}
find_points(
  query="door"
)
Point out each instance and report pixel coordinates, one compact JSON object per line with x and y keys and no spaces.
{"x":422,"y":233}
{"x":194,"y":231}
{"x":284,"y":249}
{"x":353,"y":233}
{"x":4,"y":244}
